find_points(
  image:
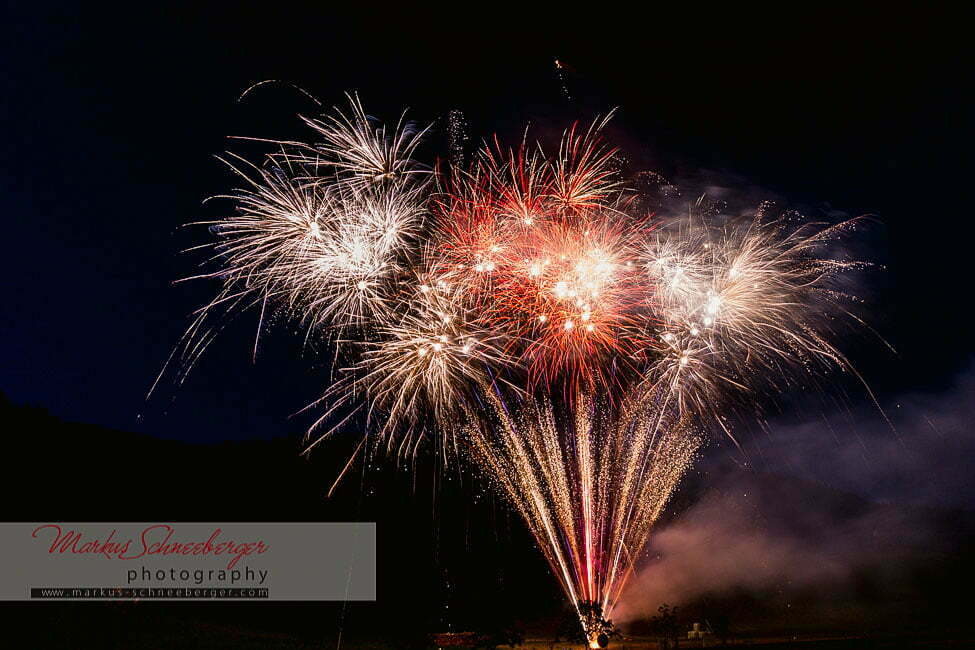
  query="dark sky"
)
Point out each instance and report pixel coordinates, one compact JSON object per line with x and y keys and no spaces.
{"x":112,"y":117}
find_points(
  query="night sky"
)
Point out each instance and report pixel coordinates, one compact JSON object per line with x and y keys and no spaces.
{"x":112,"y":118}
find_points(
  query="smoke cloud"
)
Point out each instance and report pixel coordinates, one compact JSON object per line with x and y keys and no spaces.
{"x":822,"y":505}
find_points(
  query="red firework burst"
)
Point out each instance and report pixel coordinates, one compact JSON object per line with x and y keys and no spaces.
{"x":548,"y":258}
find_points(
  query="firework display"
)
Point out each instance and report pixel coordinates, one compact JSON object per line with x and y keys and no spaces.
{"x":528,"y":312}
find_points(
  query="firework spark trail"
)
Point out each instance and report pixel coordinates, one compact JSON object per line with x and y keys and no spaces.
{"x":743,"y":307}
{"x":528,"y":316}
{"x":544,"y":245}
{"x":589,"y":483}
{"x":320,"y":231}
{"x":423,"y":365}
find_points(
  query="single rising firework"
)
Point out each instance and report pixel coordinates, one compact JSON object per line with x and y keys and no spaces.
{"x":528,"y":313}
